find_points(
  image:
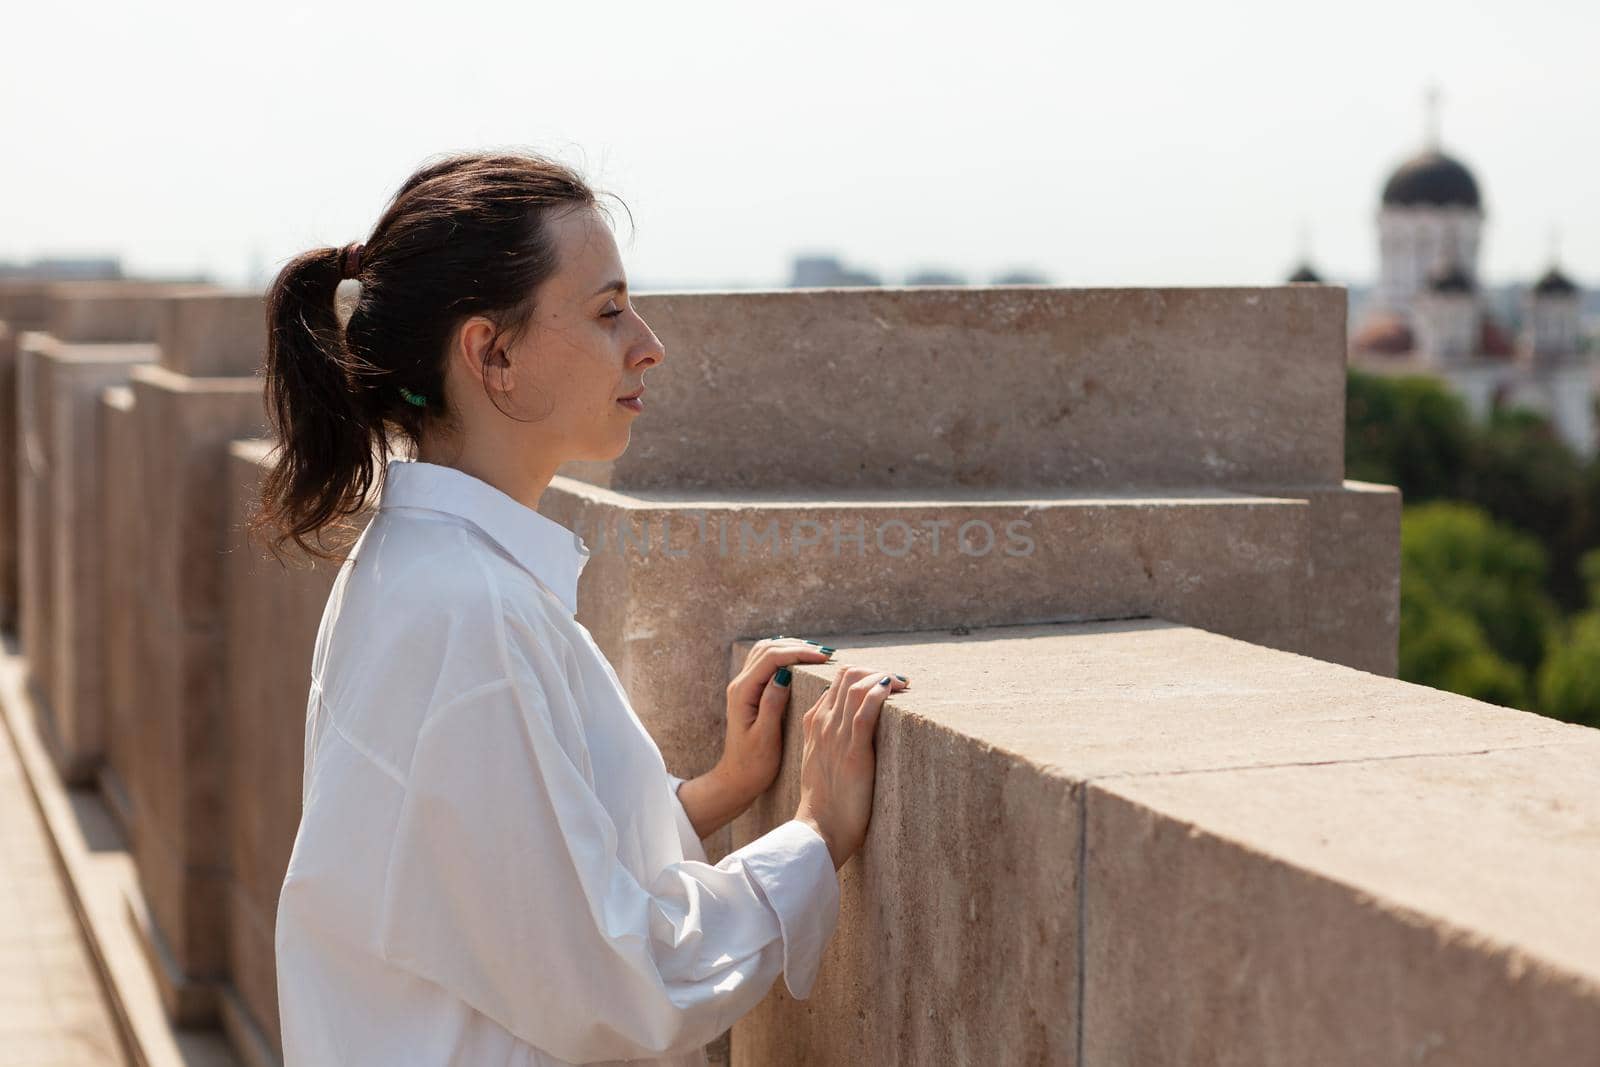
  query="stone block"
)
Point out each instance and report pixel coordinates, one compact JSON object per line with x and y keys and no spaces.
{"x":1058,"y":388}
{"x":695,"y":568}
{"x":273,"y":612}
{"x":84,"y":312}
{"x":177,"y":788}
{"x":177,"y":781}
{"x":185,"y":426}
{"x":122,"y":548}
{"x":35,"y":555}
{"x":25,"y":304}
{"x":1354,"y":604}
{"x":1407,"y":910}
{"x":1140,"y":792}
{"x":75,"y":716}
{"x":8,"y":476}
{"x":214,"y":334}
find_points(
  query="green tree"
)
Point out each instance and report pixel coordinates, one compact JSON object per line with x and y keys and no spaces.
{"x":1460,"y":562}
{"x":1569,"y":680}
{"x":1445,"y":648}
{"x":1410,"y":432}
{"x":1521,"y":472}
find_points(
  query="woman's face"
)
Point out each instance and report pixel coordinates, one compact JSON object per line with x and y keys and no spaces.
{"x":584,"y":348}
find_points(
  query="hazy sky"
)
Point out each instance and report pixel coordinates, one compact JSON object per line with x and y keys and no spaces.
{"x":1103,"y":144}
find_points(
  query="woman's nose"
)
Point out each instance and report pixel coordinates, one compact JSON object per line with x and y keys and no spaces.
{"x":652,"y":349}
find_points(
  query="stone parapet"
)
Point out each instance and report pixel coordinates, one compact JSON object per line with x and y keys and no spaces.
{"x":214,"y":334}
{"x":178,"y":774}
{"x":709,"y":569}
{"x":123,"y":552}
{"x":990,"y":388}
{"x":273,"y":611}
{"x":8,"y":476}
{"x":35,"y":549}
{"x":84,"y":312}
{"x":1139,"y":842}
{"x":74,"y":715}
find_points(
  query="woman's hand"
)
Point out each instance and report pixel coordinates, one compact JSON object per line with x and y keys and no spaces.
{"x":753,"y":746}
{"x":839,"y":766}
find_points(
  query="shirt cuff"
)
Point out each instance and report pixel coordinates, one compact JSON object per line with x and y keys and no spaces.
{"x":693,"y":849}
{"x":793,"y":870}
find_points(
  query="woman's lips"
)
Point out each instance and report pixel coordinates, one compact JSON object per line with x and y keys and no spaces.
{"x":634,"y":404}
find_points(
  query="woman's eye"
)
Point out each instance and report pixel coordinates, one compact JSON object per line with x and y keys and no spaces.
{"x":611,"y":314}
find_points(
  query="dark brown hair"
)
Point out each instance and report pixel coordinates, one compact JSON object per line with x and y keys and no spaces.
{"x":465,"y":235}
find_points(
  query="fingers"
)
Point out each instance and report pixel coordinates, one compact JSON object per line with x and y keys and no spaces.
{"x":864,"y":723}
{"x":770,"y":653}
{"x":774,"y":698}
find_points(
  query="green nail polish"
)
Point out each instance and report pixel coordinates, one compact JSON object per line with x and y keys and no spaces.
{"x":825,"y":648}
{"x":901,"y":677}
{"x":783,"y":676}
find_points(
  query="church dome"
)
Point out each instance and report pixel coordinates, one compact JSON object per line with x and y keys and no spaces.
{"x":1554,"y":283}
{"x":1432,"y":179}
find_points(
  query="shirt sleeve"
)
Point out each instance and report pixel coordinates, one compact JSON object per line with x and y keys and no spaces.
{"x":504,"y":886}
{"x":693,"y":847}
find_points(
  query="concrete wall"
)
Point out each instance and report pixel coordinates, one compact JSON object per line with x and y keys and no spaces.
{"x":74,"y":719}
{"x":35,"y":549}
{"x":72,"y":312}
{"x":85,"y":312}
{"x":1176,"y":847}
{"x":8,"y":476}
{"x":990,"y":388}
{"x":178,"y":774}
{"x":122,"y":548}
{"x":273,"y":611}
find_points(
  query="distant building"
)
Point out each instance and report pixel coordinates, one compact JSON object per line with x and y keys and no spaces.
{"x":826,"y":272}
{"x":934,"y":276}
{"x":1021,"y":277}
{"x":94,"y":269}
{"x":1429,"y":314}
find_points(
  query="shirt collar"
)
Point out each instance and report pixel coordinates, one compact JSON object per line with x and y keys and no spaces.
{"x":546,"y":549}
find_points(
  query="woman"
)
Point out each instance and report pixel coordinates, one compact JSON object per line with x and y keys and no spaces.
{"x":493,"y":865}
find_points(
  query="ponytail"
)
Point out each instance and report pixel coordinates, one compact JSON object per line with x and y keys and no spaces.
{"x":325,"y":433}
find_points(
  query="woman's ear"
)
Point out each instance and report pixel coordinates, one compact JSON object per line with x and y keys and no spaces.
{"x":482,"y":355}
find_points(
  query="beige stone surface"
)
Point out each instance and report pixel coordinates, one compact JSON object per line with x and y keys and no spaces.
{"x":53,"y":1009}
{"x":103,"y":886}
{"x":1353,"y":602}
{"x":8,"y":476}
{"x":122,"y":550}
{"x":273,"y":611}
{"x":179,"y":772}
{"x":25,"y":305}
{"x":35,"y":554}
{"x":965,"y":905}
{"x":1430,"y":909}
{"x":662,"y":598}
{"x":131,"y":310}
{"x":75,"y":717}
{"x":214,"y":334}
{"x":1058,"y":388}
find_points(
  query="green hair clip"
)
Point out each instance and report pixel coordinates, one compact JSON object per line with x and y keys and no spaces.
{"x":414,"y":398}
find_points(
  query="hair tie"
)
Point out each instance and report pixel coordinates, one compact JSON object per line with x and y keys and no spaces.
{"x":413,"y":398}
{"x":350,"y":260}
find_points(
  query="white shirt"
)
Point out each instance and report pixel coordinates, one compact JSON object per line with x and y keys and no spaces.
{"x":492,"y":866}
